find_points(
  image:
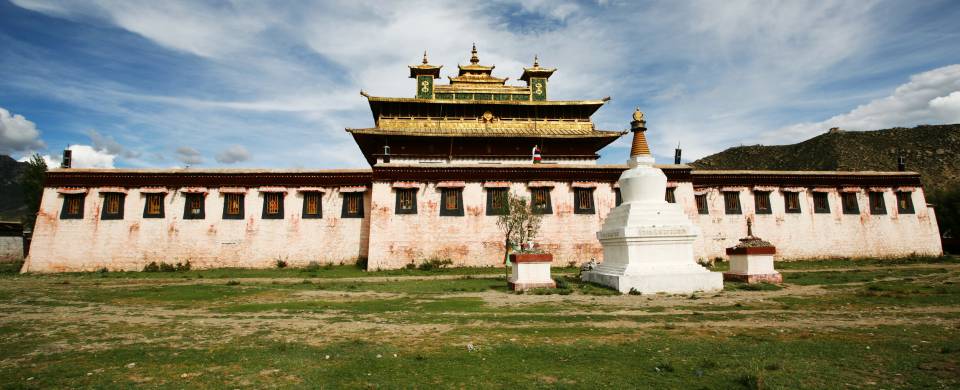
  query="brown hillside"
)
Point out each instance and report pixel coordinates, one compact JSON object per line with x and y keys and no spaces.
{"x":930,"y":150}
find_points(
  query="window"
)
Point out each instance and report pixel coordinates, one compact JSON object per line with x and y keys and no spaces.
{"x":112,"y":205}
{"x":583,"y":201}
{"x":702,"y":207}
{"x":233,"y":206}
{"x":731,"y":202}
{"x":670,"y":197}
{"x":352,"y":205}
{"x":497,"y":201}
{"x":153,"y":208}
{"x":406,"y":201}
{"x":849,"y":201}
{"x":617,"y":197}
{"x":540,"y":200}
{"x":193,"y":206}
{"x":761,"y":201}
{"x":311,"y":205}
{"x":451,"y":202}
{"x":877,"y":206}
{"x":273,"y":205}
{"x":791,"y":202}
{"x":72,"y":206}
{"x":904,"y":202}
{"x":821,"y":204}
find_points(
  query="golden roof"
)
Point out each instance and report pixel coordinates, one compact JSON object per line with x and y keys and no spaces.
{"x":486,"y":126}
{"x":425,"y":68}
{"x":536,"y":70}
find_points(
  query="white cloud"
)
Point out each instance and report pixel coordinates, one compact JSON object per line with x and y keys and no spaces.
{"x":189,"y":156}
{"x":82,"y":156}
{"x":929,"y":97}
{"x":233,"y":154}
{"x":17,"y":134}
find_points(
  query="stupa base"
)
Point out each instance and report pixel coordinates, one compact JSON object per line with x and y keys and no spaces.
{"x":670,"y":283}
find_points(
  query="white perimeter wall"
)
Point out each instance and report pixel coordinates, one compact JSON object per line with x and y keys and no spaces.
{"x":91,"y":243}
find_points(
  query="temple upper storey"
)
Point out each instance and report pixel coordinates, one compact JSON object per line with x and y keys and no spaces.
{"x":477,"y":117}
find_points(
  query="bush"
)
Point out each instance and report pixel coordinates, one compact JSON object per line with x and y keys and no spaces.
{"x":103,"y":270}
{"x":561,"y":283}
{"x":164,"y":267}
{"x":312,"y":266}
{"x":152,"y":267}
{"x":281,"y":264}
{"x":184,"y":266}
{"x":435,"y":264}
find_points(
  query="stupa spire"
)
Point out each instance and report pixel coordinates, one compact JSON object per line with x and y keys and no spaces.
{"x":639,"y":128}
{"x":425,"y":58}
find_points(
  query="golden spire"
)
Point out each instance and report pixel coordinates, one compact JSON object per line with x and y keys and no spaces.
{"x":536,"y":61}
{"x":473,"y":58}
{"x":639,"y":128}
{"x":425,"y":57}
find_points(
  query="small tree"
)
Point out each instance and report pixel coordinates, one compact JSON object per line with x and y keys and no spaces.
{"x":32,"y":184}
{"x":519,"y":223}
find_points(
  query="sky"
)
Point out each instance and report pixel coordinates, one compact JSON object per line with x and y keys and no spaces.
{"x":159,"y":84}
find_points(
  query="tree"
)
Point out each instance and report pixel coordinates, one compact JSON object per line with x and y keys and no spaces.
{"x":32,"y":184}
{"x":519,"y":223}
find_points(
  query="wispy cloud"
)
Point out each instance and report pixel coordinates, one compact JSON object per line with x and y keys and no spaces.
{"x":160,"y":79}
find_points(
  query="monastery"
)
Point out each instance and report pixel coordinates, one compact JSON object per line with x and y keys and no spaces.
{"x":440,"y":165}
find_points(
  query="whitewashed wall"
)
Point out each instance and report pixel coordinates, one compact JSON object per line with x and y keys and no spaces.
{"x":474,"y":239}
{"x":91,"y":243}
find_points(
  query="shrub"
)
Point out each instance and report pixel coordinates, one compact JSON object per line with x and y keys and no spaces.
{"x":103,"y":270}
{"x":152,"y":267}
{"x":184,"y":266}
{"x":164,"y":267}
{"x":561,"y":283}
{"x":435,"y":264}
{"x":312,"y":266}
{"x":751,"y":381}
{"x":281,"y":264}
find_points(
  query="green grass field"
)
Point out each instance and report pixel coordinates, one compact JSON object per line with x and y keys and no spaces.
{"x":832,"y":324}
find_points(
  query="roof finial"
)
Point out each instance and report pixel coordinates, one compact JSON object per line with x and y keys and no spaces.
{"x":425,"y":57}
{"x":749,"y":227}
{"x":473,"y":58}
{"x":536,"y":61}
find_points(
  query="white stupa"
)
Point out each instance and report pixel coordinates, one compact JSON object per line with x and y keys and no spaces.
{"x":647,"y":242}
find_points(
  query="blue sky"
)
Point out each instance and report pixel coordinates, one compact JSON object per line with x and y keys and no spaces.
{"x":274,"y":84}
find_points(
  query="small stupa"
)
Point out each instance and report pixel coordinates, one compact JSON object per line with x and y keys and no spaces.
{"x":647,"y":242}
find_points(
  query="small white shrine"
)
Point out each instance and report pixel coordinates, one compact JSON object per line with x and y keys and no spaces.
{"x":647,"y":242}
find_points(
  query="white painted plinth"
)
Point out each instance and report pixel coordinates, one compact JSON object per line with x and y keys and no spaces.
{"x":751,"y":264}
{"x":528,"y":275}
{"x":647,"y":242}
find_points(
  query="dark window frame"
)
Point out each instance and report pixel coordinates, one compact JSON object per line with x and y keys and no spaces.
{"x":319,"y":197}
{"x":401,"y":192}
{"x":547,"y":207}
{"x":67,"y":198}
{"x":703,"y":204}
{"x":241,"y":213}
{"x":821,"y":208}
{"x":492,"y":194}
{"x":105,"y":214}
{"x":670,"y":196}
{"x":728,"y":205}
{"x":266,"y":205}
{"x":446,"y":192}
{"x":345,"y":212}
{"x":189,"y":198}
{"x":878,"y":206}
{"x":850,"y":203}
{"x":577,"y":206}
{"x":905,"y":197}
{"x":787,"y":195}
{"x":759,"y":198}
{"x":161,"y":196}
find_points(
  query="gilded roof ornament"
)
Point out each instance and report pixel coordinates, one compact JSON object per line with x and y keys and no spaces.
{"x":638,"y":116}
{"x":536,"y":61}
{"x":473,"y":58}
{"x":425,"y":57}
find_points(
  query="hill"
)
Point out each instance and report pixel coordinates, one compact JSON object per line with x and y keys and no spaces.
{"x":930,"y":150}
{"x":12,"y":205}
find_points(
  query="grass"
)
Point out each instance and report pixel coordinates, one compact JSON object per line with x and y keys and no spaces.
{"x":894,"y":325}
